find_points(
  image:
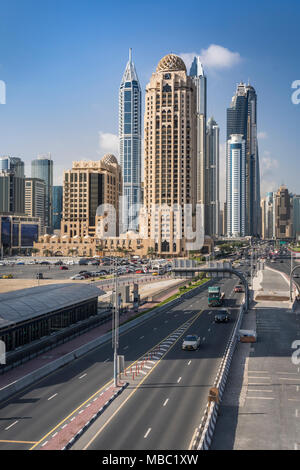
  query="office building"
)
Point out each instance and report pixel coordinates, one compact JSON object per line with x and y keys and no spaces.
{"x":35,"y":200}
{"x":267,"y":217}
{"x":236,"y":186}
{"x":42,"y":168}
{"x":12,"y":189}
{"x":242,"y":119}
{"x":18,"y":232}
{"x":130,"y":145}
{"x":296,"y":216}
{"x":57,"y":203}
{"x":283,"y":203}
{"x":199,"y":79}
{"x":88,"y":185}
{"x":212,"y":205}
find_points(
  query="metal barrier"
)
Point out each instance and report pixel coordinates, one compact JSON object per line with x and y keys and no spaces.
{"x":204,"y":434}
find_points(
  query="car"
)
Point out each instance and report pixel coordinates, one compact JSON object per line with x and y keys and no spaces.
{"x":238,"y":288}
{"x":20,"y":262}
{"x":296,"y":275}
{"x":44,"y":262}
{"x":281,"y":261}
{"x":58,"y":263}
{"x":77,"y":277}
{"x":191,"y":342}
{"x":7,"y":276}
{"x":63,"y":268}
{"x":222,"y":316}
{"x":155,"y":273}
{"x":39,"y":276}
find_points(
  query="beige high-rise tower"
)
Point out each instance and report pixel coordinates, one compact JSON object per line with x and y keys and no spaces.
{"x":170,"y":170}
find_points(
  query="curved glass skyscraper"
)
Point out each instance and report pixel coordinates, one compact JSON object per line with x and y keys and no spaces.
{"x":130,"y":145}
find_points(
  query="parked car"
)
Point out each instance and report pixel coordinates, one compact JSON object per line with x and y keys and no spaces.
{"x":191,"y":342}
{"x":64,"y":268}
{"x":7,"y":276}
{"x":77,"y":277}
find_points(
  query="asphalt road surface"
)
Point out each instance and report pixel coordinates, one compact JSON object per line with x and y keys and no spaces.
{"x":29,"y":416}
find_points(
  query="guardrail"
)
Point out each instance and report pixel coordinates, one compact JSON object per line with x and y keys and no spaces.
{"x":204,"y":434}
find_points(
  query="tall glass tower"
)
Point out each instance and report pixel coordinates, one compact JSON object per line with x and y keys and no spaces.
{"x":42,"y":168}
{"x":242,"y":119}
{"x":130,"y":145}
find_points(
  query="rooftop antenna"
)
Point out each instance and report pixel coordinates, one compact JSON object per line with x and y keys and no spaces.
{"x":130,"y":54}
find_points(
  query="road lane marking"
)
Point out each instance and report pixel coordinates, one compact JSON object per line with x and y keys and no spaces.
{"x":18,"y":442}
{"x":179,"y":380}
{"x":81,"y":377}
{"x":141,"y":337}
{"x":52,"y":396}
{"x":106,"y":360}
{"x":11,"y":425}
{"x":255,"y":390}
{"x":147,"y":433}
{"x":189,"y":362}
{"x":188,"y":324}
{"x":125,"y":347}
{"x":166,"y":401}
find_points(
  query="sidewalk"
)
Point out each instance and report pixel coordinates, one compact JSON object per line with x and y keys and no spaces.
{"x":20,"y":371}
{"x":259,"y":410}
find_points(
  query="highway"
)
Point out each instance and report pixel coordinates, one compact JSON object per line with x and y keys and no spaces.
{"x":30,"y":416}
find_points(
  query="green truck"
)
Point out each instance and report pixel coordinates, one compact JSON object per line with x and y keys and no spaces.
{"x":215,"y":296}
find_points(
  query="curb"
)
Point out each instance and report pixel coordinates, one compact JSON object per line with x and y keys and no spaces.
{"x":204,"y":434}
{"x":93,"y":418}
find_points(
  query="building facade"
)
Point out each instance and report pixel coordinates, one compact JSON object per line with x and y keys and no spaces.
{"x":212,"y":211}
{"x":170,"y":170}
{"x":35,"y":200}
{"x":242,"y":119}
{"x":236,"y":186}
{"x":57,"y":206}
{"x":18,"y":232}
{"x":88,"y":185}
{"x":283,"y":222}
{"x":199,"y":79}
{"x":296,"y":216}
{"x":267,"y":216}
{"x":130,"y":132}
{"x":12,"y":185}
{"x":42,"y":168}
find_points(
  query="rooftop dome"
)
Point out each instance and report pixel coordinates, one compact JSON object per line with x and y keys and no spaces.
{"x":109,"y":159}
{"x":170,"y":63}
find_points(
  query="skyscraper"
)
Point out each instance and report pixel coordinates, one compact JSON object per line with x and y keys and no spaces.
{"x":42,"y":168}
{"x":236,"y":186}
{"x":199,"y":79}
{"x":12,"y":190}
{"x":57,"y":206}
{"x":283,"y":213}
{"x":170,"y":176}
{"x":267,"y":216}
{"x":242,"y":119}
{"x":212,"y":206}
{"x":130,"y":144}
{"x":35,"y":197}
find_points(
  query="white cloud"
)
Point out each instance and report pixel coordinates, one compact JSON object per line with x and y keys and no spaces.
{"x":108,"y":143}
{"x":214,"y":57}
{"x":262,"y":135}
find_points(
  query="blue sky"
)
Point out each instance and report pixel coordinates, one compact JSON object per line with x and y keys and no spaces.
{"x":62,"y":62}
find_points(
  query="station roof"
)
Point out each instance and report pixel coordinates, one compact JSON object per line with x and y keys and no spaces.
{"x":25,"y":304}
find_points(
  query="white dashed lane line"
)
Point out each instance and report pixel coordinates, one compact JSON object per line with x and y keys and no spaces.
{"x":11,"y":425}
{"x":52,"y":396}
{"x":81,"y":377}
{"x":166,"y":402}
{"x":147,"y":433}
